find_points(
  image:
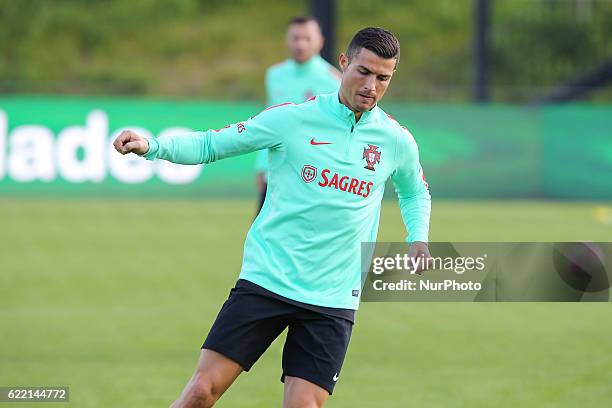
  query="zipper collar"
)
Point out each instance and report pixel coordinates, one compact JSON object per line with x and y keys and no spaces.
{"x":344,"y":113}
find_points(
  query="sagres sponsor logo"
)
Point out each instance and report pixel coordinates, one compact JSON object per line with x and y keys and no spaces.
{"x":345,"y":183}
{"x":309,"y":173}
{"x":329,"y":179}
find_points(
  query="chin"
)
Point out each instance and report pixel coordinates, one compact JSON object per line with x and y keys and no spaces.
{"x":362,"y":107}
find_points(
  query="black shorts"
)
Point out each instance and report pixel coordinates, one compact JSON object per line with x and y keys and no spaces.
{"x":250,"y":321}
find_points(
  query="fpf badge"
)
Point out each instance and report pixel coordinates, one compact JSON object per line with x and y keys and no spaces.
{"x":371,"y":156}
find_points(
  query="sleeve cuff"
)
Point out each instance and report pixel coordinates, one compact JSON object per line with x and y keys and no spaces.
{"x":151,"y":154}
{"x":416,"y":237}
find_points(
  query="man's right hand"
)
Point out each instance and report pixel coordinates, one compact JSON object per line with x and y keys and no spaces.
{"x":130,"y":142}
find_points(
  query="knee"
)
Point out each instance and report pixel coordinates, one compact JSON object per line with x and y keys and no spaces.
{"x":201,"y":394}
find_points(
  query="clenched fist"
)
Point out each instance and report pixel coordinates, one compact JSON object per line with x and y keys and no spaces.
{"x":130,"y":142}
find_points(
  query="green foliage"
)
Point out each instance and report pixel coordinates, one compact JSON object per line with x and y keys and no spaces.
{"x":152,"y":47}
{"x":553,"y":42}
{"x":220,"y":49}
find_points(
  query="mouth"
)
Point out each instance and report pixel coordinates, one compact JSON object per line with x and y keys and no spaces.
{"x":366,"y":96}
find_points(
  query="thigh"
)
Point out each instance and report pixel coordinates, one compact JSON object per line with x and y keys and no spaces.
{"x":246,"y":326}
{"x":315,"y":348}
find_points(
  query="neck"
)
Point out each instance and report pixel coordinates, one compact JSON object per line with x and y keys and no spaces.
{"x":305,"y":61}
{"x":345,"y":103}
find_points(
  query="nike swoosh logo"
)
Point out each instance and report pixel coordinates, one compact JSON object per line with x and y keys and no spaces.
{"x":336,"y":377}
{"x":312,"y":142}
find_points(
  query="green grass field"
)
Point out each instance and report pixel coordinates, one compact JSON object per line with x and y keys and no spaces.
{"x":113,"y":299}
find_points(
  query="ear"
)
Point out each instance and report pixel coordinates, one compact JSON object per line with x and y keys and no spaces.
{"x":343,"y":61}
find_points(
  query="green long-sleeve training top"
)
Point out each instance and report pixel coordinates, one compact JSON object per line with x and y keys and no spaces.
{"x":326,"y":181}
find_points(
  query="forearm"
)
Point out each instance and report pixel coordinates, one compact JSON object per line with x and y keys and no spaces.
{"x":416,"y":213}
{"x":191,"y":148}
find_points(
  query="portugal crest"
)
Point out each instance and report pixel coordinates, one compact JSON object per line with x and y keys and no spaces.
{"x":372,"y":156}
{"x":309,"y":173}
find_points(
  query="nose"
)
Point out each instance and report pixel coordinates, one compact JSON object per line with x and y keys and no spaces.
{"x":370,"y":83}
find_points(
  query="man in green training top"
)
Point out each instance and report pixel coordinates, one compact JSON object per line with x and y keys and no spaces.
{"x":296,"y":79}
{"x":301,"y":269}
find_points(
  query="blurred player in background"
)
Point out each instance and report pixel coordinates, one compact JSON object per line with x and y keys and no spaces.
{"x":296,"y":79}
{"x":329,"y":160}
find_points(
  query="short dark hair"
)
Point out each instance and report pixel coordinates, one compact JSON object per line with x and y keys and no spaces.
{"x":303,"y":20}
{"x":378,"y":40}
